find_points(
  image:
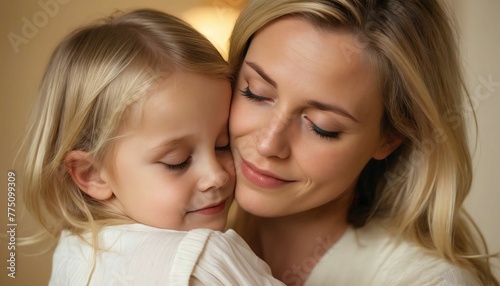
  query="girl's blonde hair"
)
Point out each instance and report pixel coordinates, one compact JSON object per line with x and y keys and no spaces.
{"x":421,"y":187}
{"x":93,"y":76}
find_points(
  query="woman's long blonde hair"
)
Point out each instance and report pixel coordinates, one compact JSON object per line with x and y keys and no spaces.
{"x":94,"y":74}
{"x":421,"y":187}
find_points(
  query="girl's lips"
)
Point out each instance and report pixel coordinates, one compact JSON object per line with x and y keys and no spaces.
{"x":261,"y":178}
{"x":212,"y":209}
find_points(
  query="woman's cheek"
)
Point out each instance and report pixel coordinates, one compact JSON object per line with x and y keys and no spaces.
{"x":243,"y":118}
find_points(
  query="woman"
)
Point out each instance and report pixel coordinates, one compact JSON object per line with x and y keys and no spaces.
{"x":349,"y":139}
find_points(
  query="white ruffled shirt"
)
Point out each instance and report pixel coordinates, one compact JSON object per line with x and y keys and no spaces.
{"x":137,"y":254}
{"x":371,"y":256}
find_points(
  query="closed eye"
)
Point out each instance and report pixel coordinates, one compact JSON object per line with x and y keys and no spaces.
{"x":329,"y":135}
{"x":177,"y":167}
{"x":252,"y":96}
{"x":223,"y":148}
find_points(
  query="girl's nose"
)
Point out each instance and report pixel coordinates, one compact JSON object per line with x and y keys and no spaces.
{"x":213,"y":177}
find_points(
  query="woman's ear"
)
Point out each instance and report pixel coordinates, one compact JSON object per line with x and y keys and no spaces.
{"x":389,"y":144}
{"x":87,"y":175}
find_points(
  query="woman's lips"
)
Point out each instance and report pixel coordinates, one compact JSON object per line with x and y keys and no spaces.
{"x":261,"y":178}
{"x":212,"y":209}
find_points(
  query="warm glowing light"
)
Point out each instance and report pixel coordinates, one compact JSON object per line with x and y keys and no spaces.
{"x":215,"y":22}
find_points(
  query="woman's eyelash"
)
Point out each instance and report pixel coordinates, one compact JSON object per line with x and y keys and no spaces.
{"x":328,"y":135}
{"x":324,"y":134}
{"x":251,"y":96}
{"x":177,"y":167}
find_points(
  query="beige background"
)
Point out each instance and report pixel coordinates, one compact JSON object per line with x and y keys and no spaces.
{"x":21,"y":67}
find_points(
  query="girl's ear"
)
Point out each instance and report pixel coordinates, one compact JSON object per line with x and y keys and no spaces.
{"x":86,"y":175}
{"x":390,"y":143}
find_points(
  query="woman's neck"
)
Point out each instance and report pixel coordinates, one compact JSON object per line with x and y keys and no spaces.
{"x":293,"y":245}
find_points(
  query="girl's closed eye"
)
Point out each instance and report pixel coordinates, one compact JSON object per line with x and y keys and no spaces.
{"x":178,"y":166}
{"x":226,"y":147}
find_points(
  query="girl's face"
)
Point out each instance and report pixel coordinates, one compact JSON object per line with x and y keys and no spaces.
{"x":305,"y":119}
{"x":173,"y":167}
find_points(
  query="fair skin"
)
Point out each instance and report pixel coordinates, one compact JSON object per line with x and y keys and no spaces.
{"x":172,"y":167}
{"x":305,"y":119}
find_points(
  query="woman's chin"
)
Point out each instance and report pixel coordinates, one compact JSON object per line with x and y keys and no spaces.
{"x":258,"y":204}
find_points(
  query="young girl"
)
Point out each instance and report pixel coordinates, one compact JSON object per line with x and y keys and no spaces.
{"x":128,"y":162}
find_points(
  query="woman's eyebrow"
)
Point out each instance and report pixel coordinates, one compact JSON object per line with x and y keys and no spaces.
{"x":313,"y":103}
{"x":262,"y":74}
{"x":332,"y":108}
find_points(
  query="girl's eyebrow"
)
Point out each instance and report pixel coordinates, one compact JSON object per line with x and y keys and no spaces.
{"x":167,"y":143}
{"x":333,"y":108}
{"x":262,"y":73}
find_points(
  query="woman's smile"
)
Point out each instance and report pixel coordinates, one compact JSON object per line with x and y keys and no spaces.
{"x":261,"y":178}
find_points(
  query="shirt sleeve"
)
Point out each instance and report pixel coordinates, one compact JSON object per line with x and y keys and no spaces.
{"x":187,"y":256}
{"x":228,"y":260}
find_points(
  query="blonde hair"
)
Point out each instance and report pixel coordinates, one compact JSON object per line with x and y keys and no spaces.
{"x":94,"y":74}
{"x":419,"y":188}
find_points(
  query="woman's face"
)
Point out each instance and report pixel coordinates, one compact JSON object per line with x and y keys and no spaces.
{"x":305,"y":119}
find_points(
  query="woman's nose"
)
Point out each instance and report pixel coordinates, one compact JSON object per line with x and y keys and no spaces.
{"x":272,"y":141}
{"x":213,"y":177}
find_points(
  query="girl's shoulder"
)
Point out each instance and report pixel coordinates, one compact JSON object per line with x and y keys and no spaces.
{"x":122,"y":237}
{"x":125,"y":233}
{"x":151,"y":255}
{"x":123,"y":252}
